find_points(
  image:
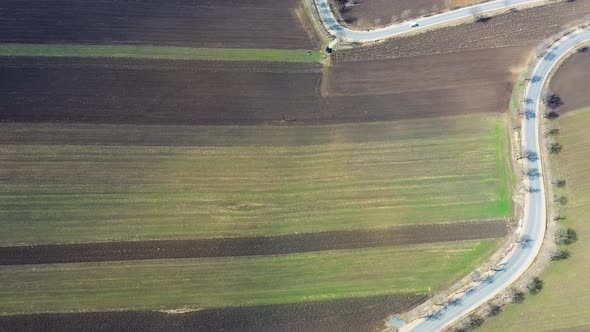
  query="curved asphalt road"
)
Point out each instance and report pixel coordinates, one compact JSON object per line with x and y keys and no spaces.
{"x":532,"y":231}
{"x":533,"y":228}
{"x":341,"y":32}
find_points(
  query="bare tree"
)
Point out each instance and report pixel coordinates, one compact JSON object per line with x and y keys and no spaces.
{"x":560,"y":183}
{"x":494,"y":310}
{"x":560,"y":254}
{"x":535,"y":286}
{"x":552,"y":100}
{"x":551,"y":115}
{"x":555,"y":148}
{"x":478,"y":16}
{"x":517,"y":296}
{"x":529,"y":155}
{"x":561,"y":200}
{"x":566,"y":236}
{"x":533,"y":173}
{"x":473,"y":322}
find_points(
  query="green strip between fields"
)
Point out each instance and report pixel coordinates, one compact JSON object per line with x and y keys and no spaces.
{"x":506,"y":176}
{"x":237,"y":281}
{"x":159,"y":52}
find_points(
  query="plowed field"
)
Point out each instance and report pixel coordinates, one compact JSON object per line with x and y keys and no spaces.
{"x":194,"y":23}
{"x":156,"y":92}
{"x":571,"y":82}
{"x":124,"y":91}
{"x":474,"y":81}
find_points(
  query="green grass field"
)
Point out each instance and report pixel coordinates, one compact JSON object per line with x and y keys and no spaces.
{"x":247,"y":181}
{"x":564,"y":302}
{"x":160,"y":52}
{"x":236,"y":281}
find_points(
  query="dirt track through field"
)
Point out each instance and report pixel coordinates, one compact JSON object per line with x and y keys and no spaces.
{"x":194,"y":23}
{"x":356,"y":314}
{"x":295,"y":243}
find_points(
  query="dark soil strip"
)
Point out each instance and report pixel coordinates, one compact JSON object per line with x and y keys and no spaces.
{"x":362,"y":314}
{"x":195,"y":23}
{"x":169,"y":92}
{"x":571,"y":82}
{"x":285,"y":244}
{"x":133,"y":91}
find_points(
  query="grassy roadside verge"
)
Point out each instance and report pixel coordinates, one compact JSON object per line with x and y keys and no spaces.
{"x":222,"y":282}
{"x":505,"y":171}
{"x":156,"y":52}
{"x":564,"y":301}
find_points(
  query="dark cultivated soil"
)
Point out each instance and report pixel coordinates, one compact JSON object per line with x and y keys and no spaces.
{"x":471,"y":81}
{"x":440,"y":77}
{"x":116,"y":251}
{"x":195,"y":23}
{"x":571,"y":82}
{"x":361,"y":314}
{"x":122,"y":91}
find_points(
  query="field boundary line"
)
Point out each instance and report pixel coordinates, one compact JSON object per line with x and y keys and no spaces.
{"x":159,"y":52}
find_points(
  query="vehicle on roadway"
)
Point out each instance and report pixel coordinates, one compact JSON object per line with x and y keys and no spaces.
{"x":414,"y":25}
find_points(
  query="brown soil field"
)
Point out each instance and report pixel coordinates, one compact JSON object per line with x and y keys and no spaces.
{"x":123,"y":91}
{"x":467,"y":82}
{"x":571,"y":82}
{"x":366,"y":14}
{"x":184,"y":92}
{"x":196,"y":23}
{"x":117,"y":251}
{"x":446,"y":64}
{"x":360,"y":314}
{"x":156,"y":91}
{"x":526,"y":28}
